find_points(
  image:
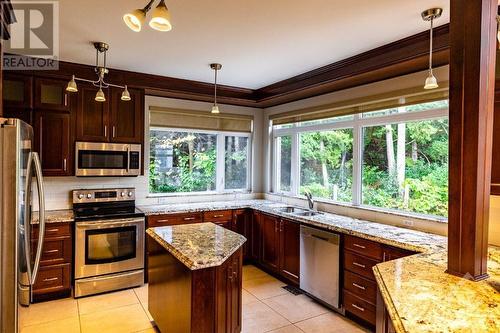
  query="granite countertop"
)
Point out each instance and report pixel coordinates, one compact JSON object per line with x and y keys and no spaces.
{"x":55,"y":216}
{"x":198,"y":245}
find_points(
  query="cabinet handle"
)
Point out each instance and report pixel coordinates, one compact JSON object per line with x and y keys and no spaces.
{"x":189,"y":218}
{"x":65,"y":99}
{"x":105,"y":130}
{"x":51,"y":251}
{"x":358,"y":264}
{"x":358,"y":286}
{"x":65,"y":164}
{"x":358,"y":307}
{"x":384,"y":257}
{"x":221,"y":215}
{"x":114,"y":132}
{"x":360,"y":246}
{"x":53,"y":230}
{"x":50,"y":279}
{"x":162,"y":221}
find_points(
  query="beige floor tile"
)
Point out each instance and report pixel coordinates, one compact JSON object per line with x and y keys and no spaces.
{"x":106,"y":301}
{"x":329,"y":323}
{"x":251,"y":272}
{"x":129,"y":318}
{"x":142,"y":293}
{"x":258,"y":317}
{"x":68,"y":325}
{"x":145,"y":307}
{"x":246,"y":297}
{"x":288,"y":329}
{"x":48,"y":311}
{"x":295,"y":308}
{"x":265,"y":287}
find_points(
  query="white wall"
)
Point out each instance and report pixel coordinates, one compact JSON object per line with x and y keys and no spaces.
{"x":58,"y":189}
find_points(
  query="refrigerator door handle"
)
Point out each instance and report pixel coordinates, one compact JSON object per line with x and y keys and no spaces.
{"x":41,"y":215}
{"x":27,"y":216}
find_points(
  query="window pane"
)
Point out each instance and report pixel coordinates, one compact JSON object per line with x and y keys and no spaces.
{"x":236,"y":162}
{"x":182,"y":161}
{"x":326,"y":164}
{"x":405,"y":166}
{"x":326,"y":121}
{"x":284,"y":150}
{"x":410,"y":108}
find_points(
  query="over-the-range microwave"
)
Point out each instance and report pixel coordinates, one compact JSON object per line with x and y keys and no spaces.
{"x":96,"y":159}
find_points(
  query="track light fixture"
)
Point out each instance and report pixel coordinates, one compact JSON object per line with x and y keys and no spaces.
{"x":101,"y":48}
{"x":430,"y":15}
{"x":159,"y":21}
{"x":216,"y":68}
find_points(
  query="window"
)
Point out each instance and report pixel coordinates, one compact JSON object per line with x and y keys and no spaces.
{"x":391,"y":159}
{"x":188,"y":161}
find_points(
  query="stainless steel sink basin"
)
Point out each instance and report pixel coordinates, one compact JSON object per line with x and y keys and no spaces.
{"x":292,"y":210}
{"x":307,"y":213}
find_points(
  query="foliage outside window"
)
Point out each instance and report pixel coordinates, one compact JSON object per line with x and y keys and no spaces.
{"x":401,"y":161}
{"x":284,"y":156}
{"x":187,"y":161}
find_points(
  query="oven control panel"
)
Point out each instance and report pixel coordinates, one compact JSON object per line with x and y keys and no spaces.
{"x":103,"y":195}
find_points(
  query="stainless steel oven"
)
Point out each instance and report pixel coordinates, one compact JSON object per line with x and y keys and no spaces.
{"x":107,"y":159}
{"x":109,"y":241}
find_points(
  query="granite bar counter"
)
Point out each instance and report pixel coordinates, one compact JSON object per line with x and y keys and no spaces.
{"x":195,"y":278}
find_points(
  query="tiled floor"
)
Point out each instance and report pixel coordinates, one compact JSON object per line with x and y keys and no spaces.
{"x":266,"y":308}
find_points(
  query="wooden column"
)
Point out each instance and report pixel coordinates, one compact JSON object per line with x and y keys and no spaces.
{"x":472,"y":83}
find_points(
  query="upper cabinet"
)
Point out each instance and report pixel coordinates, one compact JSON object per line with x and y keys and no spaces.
{"x":17,"y":96}
{"x":111,"y":121}
{"x":51,"y":94}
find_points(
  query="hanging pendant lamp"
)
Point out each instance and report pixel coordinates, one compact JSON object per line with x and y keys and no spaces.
{"x":431,"y":15}
{"x":216,"y":68}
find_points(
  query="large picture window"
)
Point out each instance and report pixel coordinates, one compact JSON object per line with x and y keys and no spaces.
{"x":391,"y":159}
{"x":189,"y":161}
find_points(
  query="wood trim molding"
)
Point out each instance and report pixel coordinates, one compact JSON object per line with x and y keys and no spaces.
{"x":405,"y":56}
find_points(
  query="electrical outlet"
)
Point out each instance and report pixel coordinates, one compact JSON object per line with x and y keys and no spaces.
{"x":408,"y":223}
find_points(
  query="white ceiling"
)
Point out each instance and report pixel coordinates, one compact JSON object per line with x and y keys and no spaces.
{"x":259,"y":42}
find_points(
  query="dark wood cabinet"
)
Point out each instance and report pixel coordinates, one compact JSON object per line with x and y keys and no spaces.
{"x":51,"y":94}
{"x":495,"y":161}
{"x":255,"y":238}
{"x":127,"y":117}
{"x":270,"y":226}
{"x":173,"y":219}
{"x":229,"y":282}
{"x":17,"y":91}
{"x":53,"y":142}
{"x":92,"y":118}
{"x":242,"y":224}
{"x":223,"y":218}
{"x":289,"y":262}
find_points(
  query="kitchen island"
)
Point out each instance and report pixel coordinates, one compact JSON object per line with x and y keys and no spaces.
{"x":195,"y":278}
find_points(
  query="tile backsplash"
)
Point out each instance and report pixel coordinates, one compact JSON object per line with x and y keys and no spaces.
{"x":58,"y":191}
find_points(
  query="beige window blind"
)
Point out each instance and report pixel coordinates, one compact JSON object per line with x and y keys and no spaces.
{"x":180,"y":118}
{"x":366,"y":104}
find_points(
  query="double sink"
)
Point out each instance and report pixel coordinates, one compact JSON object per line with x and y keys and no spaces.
{"x":298,"y":211}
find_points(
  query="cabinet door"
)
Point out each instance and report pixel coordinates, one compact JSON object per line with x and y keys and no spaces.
{"x":51,"y":94}
{"x":235,"y":301}
{"x":17,"y":91}
{"x":392,"y":253}
{"x":127,"y":117}
{"x":270,"y":241}
{"x":495,"y":162}
{"x":92,"y":119}
{"x":242,"y":225}
{"x":52,"y":140}
{"x":290,"y":250}
{"x":256,"y":237}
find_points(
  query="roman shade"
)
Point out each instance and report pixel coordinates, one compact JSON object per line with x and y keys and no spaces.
{"x":389,"y":100}
{"x":190,"y":119}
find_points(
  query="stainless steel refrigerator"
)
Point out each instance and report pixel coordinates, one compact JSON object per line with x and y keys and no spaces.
{"x":19,"y":262}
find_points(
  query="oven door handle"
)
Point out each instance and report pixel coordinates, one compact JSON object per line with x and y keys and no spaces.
{"x":121,"y":223}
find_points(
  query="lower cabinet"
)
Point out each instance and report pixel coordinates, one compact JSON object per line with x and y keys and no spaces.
{"x":223,"y":218}
{"x":255,"y":242}
{"x":173,"y":219}
{"x":270,"y":241}
{"x":54,"y":277}
{"x":242,"y":224}
{"x":229,"y":281}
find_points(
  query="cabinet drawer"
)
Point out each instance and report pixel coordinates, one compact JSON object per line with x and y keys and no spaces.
{"x":364,"y":247}
{"x":173,"y":219}
{"x":54,"y":252}
{"x":53,"y":230}
{"x":218,"y":216}
{"x":360,"y":308}
{"x":361,"y":287}
{"x":359,"y":265}
{"x":53,"y":278}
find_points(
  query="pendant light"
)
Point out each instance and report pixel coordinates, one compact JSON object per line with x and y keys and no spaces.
{"x":160,"y":20}
{"x":216,"y":68}
{"x":101,"y":71}
{"x":431,"y":15}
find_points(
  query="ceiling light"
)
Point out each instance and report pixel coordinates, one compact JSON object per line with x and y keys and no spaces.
{"x":216,"y":68}
{"x":161,"y":18}
{"x":430,"y":15}
{"x":101,"y":71}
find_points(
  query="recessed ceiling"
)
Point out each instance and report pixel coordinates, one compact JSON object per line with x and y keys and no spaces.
{"x":259,"y":42}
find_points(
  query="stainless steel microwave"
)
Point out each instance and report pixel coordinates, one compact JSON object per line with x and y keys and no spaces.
{"x":107,"y":159}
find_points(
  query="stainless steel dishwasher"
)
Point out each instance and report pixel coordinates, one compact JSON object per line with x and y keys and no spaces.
{"x":319,"y":265}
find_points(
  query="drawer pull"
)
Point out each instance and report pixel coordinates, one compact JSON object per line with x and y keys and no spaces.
{"x":50,"y":279}
{"x":358,"y":286}
{"x":359,"y":246}
{"x":53,"y":230}
{"x":51,"y":251}
{"x":189,"y":218}
{"x":358,"y":307}
{"x":162,"y":221}
{"x":220,"y":215}
{"x":358,"y":264}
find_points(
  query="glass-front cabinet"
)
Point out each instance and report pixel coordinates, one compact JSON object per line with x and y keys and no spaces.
{"x":51,"y":94}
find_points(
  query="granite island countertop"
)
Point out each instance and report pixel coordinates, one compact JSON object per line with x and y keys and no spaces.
{"x":55,"y":216}
{"x":198,"y":245}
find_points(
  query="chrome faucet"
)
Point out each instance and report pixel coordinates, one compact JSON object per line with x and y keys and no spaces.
{"x":310,"y":200}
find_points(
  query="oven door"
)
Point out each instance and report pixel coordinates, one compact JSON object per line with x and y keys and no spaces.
{"x":107,"y":159}
{"x":108,"y":246}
